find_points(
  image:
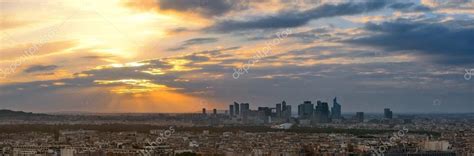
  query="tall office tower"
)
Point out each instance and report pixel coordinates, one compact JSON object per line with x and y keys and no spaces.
{"x":214,"y":111}
{"x":322,"y":112}
{"x":231,"y":110}
{"x":388,"y":114}
{"x":278,"y":110}
{"x":306,"y":110}
{"x":285,"y":110}
{"x":360,"y":116}
{"x":288,"y":111}
{"x":244,"y":108}
{"x":336,"y":109}
{"x":204,"y":111}
{"x":266,"y":111}
{"x":300,"y":110}
{"x":237,"y":109}
{"x":264,"y":114}
{"x":244,"y":111}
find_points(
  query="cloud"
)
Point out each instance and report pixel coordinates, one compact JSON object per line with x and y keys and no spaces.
{"x":444,"y":4}
{"x":296,"y":18}
{"x":11,"y":23}
{"x":94,"y":57}
{"x":40,"y":68}
{"x":176,"y":48}
{"x":447,"y":44}
{"x":409,"y":7}
{"x":193,"y":75}
{"x":206,"y":8}
{"x":450,"y":6}
{"x":194,"y":41}
{"x":16,"y":50}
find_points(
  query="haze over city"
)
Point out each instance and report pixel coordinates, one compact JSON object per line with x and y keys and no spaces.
{"x":172,"y":56}
{"x":236,"y":77}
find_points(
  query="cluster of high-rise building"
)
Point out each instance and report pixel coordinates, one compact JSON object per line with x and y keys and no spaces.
{"x":242,"y":131}
{"x":308,"y":113}
{"x":319,"y":113}
{"x":242,"y":111}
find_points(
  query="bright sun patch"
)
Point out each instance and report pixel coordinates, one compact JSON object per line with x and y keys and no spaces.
{"x":133,"y":86}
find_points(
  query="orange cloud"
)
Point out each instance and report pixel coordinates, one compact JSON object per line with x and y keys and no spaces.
{"x":12,"y":23}
{"x":14,"y":51}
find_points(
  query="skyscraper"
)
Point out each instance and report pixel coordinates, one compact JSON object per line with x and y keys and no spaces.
{"x":336,"y":109}
{"x":266,"y":110}
{"x":231,"y":110}
{"x":306,"y":109}
{"x":237,"y":108}
{"x":322,"y":112}
{"x":300,"y":110}
{"x":360,"y":116}
{"x":288,"y":111}
{"x":264,"y":113}
{"x":285,"y":110}
{"x":278,"y":110}
{"x":388,"y":114}
{"x":204,"y":111}
{"x":244,"y":108}
{"x":214,"y":112}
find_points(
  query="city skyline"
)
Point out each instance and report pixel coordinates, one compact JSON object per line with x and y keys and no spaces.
{"x":178,"y":56}
{"x":236,"y":77}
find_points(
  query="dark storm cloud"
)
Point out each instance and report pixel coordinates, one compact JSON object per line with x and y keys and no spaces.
{"x":296,"y":18}
{"x":40,"y":68}
{"x":448,"y":45}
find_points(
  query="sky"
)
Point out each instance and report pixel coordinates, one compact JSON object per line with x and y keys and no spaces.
{"x":173,"y":56}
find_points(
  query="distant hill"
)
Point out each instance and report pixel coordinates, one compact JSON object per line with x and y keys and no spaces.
{"x":10,"y":113}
